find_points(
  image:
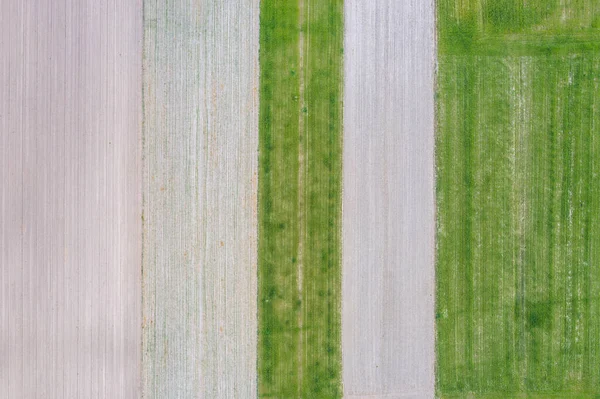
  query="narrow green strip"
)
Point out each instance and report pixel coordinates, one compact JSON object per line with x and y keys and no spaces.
{"x":520,"y":45}
{"x":518,"y":188}
{"x":542,"y":395}
{"x":300,"y":122}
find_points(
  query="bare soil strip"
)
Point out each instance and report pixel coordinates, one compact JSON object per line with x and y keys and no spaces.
{"x":70,"y":199}
{"x":388,"y":200}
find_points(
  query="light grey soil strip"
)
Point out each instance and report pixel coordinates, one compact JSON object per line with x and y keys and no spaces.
{"x":200,"y":198}
{"x":70,"y":199}
{"x":388,"y":200}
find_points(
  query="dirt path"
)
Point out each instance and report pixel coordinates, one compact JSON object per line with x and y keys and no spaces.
{"x":388,"y":200}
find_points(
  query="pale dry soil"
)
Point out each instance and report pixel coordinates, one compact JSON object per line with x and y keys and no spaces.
{"x":70,"y":199}
{"x":388,"y":200}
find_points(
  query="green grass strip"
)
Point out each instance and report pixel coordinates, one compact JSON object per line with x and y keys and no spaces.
{"x":518,"y":27}
{"x":539,"y":395}
{"x":300,"y":126}
{"x":518,"y":203}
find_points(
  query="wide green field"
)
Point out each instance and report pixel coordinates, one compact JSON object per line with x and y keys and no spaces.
{"x":300,"y":132}
{"x":518,"y":196}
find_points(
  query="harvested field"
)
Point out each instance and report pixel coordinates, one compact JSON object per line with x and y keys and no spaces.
{"x":200,"y":199}
{"x":299,"y":348}
{"x":518,"y":156}
{"x":388,"y":200}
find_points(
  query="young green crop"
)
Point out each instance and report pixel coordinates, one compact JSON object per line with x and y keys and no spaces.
{"x":518,"y":194}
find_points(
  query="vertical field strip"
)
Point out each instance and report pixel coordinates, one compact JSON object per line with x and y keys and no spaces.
{"x":517,"y":155}
{"x":70,"y":199}
{"x":300,"y":120}
{"x":200,"y":197}
{"x":388,"y":200}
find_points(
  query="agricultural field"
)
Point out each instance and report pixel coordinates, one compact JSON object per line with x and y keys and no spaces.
{"x":300,"y":138}
{"x":518,"y":200}
{"x":200,"y":149}
{"x":70,"y":185}
{"x":388,"y":323}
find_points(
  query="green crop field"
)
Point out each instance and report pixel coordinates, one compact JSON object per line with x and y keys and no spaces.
{"x":300,"y":124}
{"x":518,"y":197}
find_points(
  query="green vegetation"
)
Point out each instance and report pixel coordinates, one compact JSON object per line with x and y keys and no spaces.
{"x":518,"y":194}
{"x":517,"y":27}
{"x":300,"y":198}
